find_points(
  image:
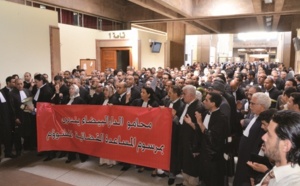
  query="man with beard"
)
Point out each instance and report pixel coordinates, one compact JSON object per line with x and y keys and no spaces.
{"x":281,"y":144}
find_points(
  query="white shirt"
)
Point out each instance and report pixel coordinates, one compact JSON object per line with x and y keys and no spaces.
{"x":22,"y":95}
{"x":248,"y":128}
{"x":246,"y":106}
{"x":2,"y":99}
{"x":36,"y":97}
{"x":105,"y":102}
{"x":285,"y":176}
{"x":120,"y":98}
{"x":183,"y":114}
{"x":206,"y":120}
{"x":172,"y":103}
{"x":145,"y":104}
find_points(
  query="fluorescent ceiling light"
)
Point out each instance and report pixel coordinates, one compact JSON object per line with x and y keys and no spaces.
{"x":268,"y":1}
{"x":257,"y":36}
{"x":268,"y":19}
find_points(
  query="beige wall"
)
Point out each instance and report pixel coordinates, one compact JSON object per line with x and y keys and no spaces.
{"x":24,"y":39}
{"x":149,"y":59}
{"x":203,"y":48}
{"x":80,"y":43}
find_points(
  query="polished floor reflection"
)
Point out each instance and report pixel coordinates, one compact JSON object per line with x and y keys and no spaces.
{"x":29,"y":169}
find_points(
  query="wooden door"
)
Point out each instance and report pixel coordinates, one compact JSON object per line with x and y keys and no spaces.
{"x":108,"y":58}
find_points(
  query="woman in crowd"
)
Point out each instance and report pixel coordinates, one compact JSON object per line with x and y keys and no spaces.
{"x":108,"y":95}
{"x":74,"y":99}
{"x":148,"y":99}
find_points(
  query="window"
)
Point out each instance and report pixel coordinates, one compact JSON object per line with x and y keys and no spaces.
{"x":107,"y":25}
{"x":77,"y":17}
{"x":90,"y":22}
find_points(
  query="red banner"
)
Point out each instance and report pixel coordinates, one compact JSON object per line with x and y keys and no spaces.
{"x":135,"y":135}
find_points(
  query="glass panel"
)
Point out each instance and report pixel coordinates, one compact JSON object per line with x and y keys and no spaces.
{"x":67,"y":17}
{"x":107,"y":25}
{"x":90,"y":21}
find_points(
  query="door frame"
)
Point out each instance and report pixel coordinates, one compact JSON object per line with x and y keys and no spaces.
{"x":111,"y":43}
{"x":115,"y":49}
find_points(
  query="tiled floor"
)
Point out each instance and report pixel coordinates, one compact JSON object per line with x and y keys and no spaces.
{"x":29,"y":169}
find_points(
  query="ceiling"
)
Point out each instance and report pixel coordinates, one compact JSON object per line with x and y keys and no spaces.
{"x":222,"y":16}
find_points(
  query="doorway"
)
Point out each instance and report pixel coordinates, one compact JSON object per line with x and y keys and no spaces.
{"x":115,"y":58}
{"x":122,"y":59}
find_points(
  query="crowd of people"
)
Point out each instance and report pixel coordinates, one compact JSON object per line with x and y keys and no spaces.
{"x":249,"y":110}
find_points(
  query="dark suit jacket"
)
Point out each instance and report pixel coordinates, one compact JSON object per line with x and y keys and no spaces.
{"x":97,"y":99}
{"x":24,"y":117}
{"x":45,"y":95}
{"x":175,"y":161}
{"x":280,"y":83}
{"x":135,"y":94}
{"x":84,"y":94}
{"x":248,"y":145}
{"x":139,"y":103}
{"x":5,"y":120}
{"x":117,"y":101}
{"x":212,"y":146}
{"x":64,"y":90}
{"x":16,"y":102}
{"x":273,"y":94}
{"x":213,"y":138}
{"x":240,"y":94}
{"x":189,"y":141}
{"x":6,"y":93}
{"x":78,"y":101}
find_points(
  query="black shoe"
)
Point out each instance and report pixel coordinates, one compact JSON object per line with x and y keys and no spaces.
{"x":179,"y":184}
{"x":171,"y":181}
{"x":10,"y":156}
{"x":83,"y":160}
{"x":18,"y":153}
{"x":48,"y":158}
{"x":62,"y":154}
{"x":161,"y":175}
{"x":141,"y":169}
{"x":68,"y":161}
{"x":125,"y":167}
{"x":154,"y":173}
{"x":40,"y":153}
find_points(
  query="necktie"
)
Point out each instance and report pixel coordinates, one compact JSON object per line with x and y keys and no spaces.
{"x":268,"y":178}
{"x":183,"y":114}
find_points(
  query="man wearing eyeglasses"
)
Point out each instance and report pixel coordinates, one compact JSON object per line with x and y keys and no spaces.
{"x":250,"y":142}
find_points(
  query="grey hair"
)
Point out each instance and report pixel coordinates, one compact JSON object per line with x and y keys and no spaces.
{"x":262,"y":99}
{"x":76,"y":88}
{"x":190,"y":89}
{"x":198,"y":95}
